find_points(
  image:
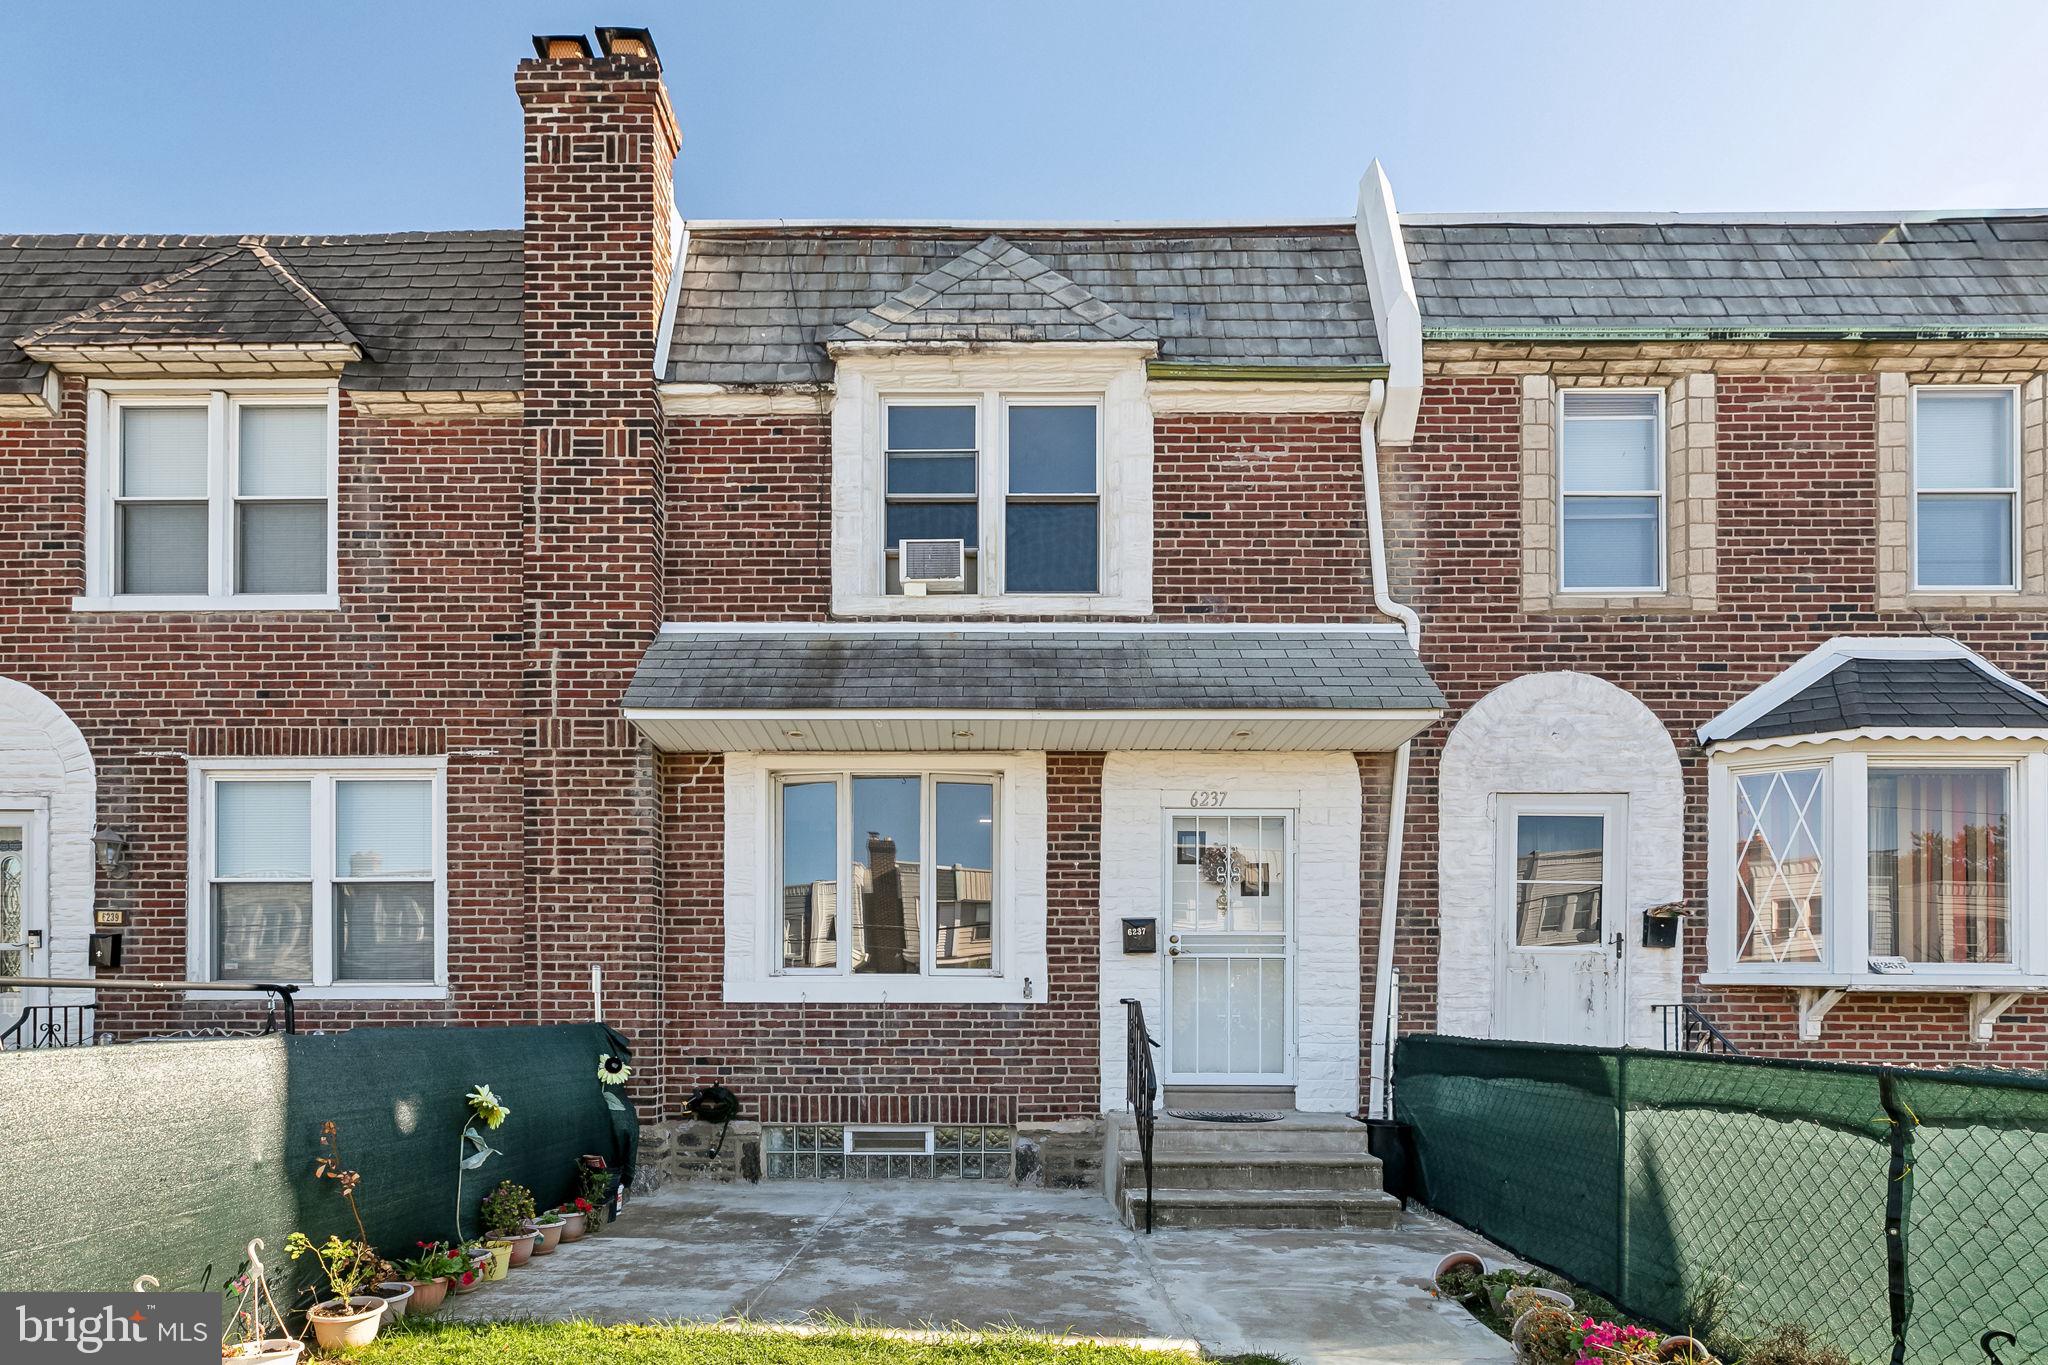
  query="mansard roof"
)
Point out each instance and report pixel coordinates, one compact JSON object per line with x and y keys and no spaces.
{"x":429,"y":310}
{"x":759,"y":302}
{"x":993,"y":291}
{"x":1885,"y":276}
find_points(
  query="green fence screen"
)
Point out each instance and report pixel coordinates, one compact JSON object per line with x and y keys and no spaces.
{"x":1900,"y":1214}
{"x":164,"y":1159}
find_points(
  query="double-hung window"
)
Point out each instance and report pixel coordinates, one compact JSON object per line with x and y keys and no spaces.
{"x":1965,"y":489}
{"x":1611,"y":488}
{"x":211,"y":498}
{"x":328,"y":879}
{"x":1026,"y":504}
{"x":889,"y":874}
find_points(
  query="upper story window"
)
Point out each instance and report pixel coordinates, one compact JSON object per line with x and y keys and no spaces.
{"x":211,"y":498}
{"x":331,"y":878}
{"x":1024,"y":505}
{"x":1966,"y":493}
{"x":1611,"y":483}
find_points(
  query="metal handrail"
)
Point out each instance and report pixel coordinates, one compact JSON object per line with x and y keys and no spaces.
{"x":283,"y":993}
{"x":48,"y":1026}
{"x":1686,"y":1029}
{"x":1141,"y":1084}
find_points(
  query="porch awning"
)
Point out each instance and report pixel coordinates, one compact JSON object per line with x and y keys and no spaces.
{"x":709,"y":689}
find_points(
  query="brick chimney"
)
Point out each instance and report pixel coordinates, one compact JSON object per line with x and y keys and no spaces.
{"x":601,"y":143}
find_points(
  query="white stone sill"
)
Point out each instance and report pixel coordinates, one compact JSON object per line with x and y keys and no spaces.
{"x":957,"y":604}
{"x":181,"y":603}
{"x":1919,"y":983}
{"x":370,"y":991}
{"x":875,"y":990}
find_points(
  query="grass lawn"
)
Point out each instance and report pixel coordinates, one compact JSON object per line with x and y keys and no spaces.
{"x":574,"y":1343}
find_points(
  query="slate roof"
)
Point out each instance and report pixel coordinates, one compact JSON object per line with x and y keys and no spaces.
{"x":431,"y":310}
{"x":241,"y":294}
{"x":1893,"y":694}
{"x":992,"y":291}
{"x":757,"y":304}
{"x":1078,"y":670}
{"x":1964,"y":275}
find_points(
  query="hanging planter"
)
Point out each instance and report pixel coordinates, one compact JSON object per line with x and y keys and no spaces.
{"x":254,"y":1347}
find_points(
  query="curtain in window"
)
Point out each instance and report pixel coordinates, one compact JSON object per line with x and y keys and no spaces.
{"x":1938,"y":865}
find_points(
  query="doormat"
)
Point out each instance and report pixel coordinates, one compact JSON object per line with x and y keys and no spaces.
{"x":1226,"y":1115}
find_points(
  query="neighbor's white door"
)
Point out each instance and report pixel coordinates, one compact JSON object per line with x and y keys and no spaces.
{"x":1560,"y":907}
{"x":24,"y":933}
{"x":1229,"y":888}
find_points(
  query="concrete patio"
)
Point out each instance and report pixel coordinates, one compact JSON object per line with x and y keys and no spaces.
{"x":916,"y":1254}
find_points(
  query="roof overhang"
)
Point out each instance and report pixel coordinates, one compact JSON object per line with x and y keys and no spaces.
{"x":940,"y":730}
{"x":184,"y":358}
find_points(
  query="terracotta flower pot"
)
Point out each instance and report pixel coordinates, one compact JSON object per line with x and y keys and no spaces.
{"x":427,"y":1295}
{"x":575,"y":1227}
{"x":501,"y":1258}
{"x":521,"y":1244}
{"x":269,"y":1351}
{"x":397,"y":1296}
{"x":469,"y":1281}
{"x":548,"y":1236}
{"x":340,"y":1324}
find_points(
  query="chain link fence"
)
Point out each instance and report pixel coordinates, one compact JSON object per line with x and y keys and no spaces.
{"x":1900,"y":1214}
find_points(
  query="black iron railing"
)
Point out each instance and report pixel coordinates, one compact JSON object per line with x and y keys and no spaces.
{"x":1685,"y":1029}
{"x":39,"y":1027}
{"x":1141,"y":1083}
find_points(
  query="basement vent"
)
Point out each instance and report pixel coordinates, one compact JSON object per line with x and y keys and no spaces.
{"x":888,"y":1141}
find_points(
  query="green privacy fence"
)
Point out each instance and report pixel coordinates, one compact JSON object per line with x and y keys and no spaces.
{"x":1900,"y":1214}
{"x":166,"y":1158}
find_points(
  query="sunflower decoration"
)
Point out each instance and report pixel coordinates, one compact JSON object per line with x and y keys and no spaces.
{"x":487,"y":1106}
{"x":612,"y":1069}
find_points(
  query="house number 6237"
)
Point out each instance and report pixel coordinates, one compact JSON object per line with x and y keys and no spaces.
{"x":1207,"y":800}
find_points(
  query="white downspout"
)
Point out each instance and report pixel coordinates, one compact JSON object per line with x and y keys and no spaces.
{"x":1383,"y":1023}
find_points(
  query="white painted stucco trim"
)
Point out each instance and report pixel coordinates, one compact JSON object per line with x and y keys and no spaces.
{"x":46,"y":769}
{"x":1565,"y":733}
{"x":1323,"y":794}
{"x":750,"y":900}
{"x":1112,"y":376}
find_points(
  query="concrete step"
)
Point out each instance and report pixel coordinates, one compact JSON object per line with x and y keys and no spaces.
{"x":1296,"y":1133}
{"x":1253,"y":1171}
{"x":1263,"y":1209}
{"x":1279,"y":1097}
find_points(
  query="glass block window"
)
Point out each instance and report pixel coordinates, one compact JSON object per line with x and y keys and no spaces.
{"x":818,"y":1152}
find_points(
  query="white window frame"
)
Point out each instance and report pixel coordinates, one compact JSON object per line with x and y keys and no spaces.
{"x":1109,"y":377}
{"x":927,"y":872}
{"x":982,"y":551}
{"x":203,"y":777}
{"x":223,"y":401}
{"x":1003,"y":403}
{"x":1659,"y":462}
{"x":1612,"y":812}
{"x":2013,"y":492}
{"x":1845,"y":766}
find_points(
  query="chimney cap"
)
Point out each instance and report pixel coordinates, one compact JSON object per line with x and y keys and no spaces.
{"x":627,"y":42}
{"x":562,"y":47}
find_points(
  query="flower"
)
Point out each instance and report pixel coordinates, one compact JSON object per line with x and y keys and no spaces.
{"x":612,"y":1070}
{"x":487,"y":1106}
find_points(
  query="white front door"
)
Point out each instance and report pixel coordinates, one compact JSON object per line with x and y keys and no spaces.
{"x":1561,"y":903}
{"x":24,"y":930}
{"x":1229,"y":885}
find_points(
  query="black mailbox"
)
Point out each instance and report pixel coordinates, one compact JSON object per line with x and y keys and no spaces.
{"x":1141,"y":934}
{"x":104,"y":949}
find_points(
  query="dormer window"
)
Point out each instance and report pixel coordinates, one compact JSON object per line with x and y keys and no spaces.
{"x":210,"y":498}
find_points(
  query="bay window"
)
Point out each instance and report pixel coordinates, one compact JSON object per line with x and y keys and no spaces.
{"x":329,"y":879}
{"x":1940,"y":878}
{"x":885,"y":873}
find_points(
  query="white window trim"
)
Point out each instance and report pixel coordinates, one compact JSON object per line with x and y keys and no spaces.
{"x":1112,"y":377}
{"x":2015,"y":492}
{"x":1662,"y":493}
{"x":222,"y":399}
{"x":1845,"y":765}
{"x":201,"y":774}
{"x":753,"y":960}
{"x":1613,"y":813}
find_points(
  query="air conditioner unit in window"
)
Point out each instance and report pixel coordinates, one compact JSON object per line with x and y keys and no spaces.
{"x":931,"y":566}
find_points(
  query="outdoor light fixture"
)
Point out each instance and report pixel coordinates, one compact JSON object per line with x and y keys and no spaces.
{"x":110,"y":848}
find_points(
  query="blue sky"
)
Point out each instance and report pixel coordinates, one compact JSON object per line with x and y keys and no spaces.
{"x":376,"y":115}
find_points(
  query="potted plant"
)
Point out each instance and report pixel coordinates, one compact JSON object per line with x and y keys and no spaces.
{"x":431,"y":1274}
{"x":596,"y":1184}
{"x":476,"y":1258}
{"x":507,"y":1215}
{"x":500,"y":1262}
{"x":547,"y":1229}
{"x":575,"y":1219}
{"x":351,"y":1317}
{"x":246,"y":1340}
{"x":397,"y":1296}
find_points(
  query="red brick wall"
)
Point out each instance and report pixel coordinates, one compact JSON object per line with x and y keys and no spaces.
{"x":1797,"y":509}
{"x":750,"y":519}
{"x":1043,"y":1057}
{"x":423,"y":657}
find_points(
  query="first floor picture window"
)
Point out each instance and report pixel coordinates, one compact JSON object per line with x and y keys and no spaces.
{"x":323,"y":878}
{"x":1938,"y":868}
{"x":889,"y":874}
